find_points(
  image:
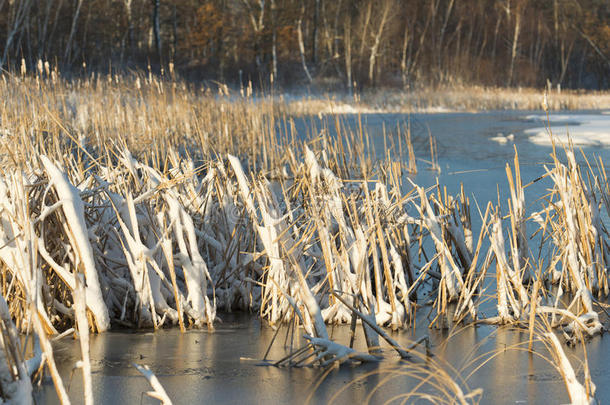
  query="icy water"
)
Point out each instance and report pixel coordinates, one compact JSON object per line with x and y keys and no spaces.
{"x":224,"y":366}
{"x":473,"y":148}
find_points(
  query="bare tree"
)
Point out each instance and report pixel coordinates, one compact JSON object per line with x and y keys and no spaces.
{"x":67,"y":53}
{"x":301,"y":43}
{"x":514,"y":13}
{"x":347,"y":43}
{"x":387,"y":5}
{"x":274,"y":40}
{"x":256,"y":16}
{"x":127,"y":39}
{"x":157,"y":27}
{"x":422,"y":36}
{"x":42,"y":38}
{"x":442,"y":34}
{"x":405,"y":59}
{"x":348,"y":40}
{"x":314,"y":32}
{"x":365,"y":27}
{"x":49,"y":42}
{"x":17,"y":13}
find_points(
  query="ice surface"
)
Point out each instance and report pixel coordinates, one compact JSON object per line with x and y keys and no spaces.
{"x":582,"y":129}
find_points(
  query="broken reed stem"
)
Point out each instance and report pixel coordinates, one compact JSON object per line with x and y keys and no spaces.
{"x":533,"y":303}
{"x":403,"y":353}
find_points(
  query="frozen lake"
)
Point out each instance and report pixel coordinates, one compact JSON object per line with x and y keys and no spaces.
{"x":473,"y":148}
{"x":222,"y":367}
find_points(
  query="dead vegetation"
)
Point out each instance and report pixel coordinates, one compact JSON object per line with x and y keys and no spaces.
{"x":142,"y":203}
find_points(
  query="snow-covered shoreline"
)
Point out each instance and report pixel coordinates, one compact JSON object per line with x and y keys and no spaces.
{"x":443,"y":100}
{"x":580,"y":129}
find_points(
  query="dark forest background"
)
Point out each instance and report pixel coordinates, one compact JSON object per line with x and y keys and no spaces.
{"x":334,"y":43}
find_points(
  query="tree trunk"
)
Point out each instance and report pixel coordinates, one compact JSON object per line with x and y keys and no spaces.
{"x":405,"y":59}
{"x":68,"y":52}
{"x":127,"y":39}
{"x":53,"y":26}
{"x":43,"y":33}
{"x":157,"y":27}
{"x":565,"y":58}
{"x":85,"y":31}
{"x":375,"y":48}
{"x":513,"y":54}
{"x":442,"y":35}
{"x":495,"y":42}
{"x":258,"y":25}
{"x":314,"y":32}
{"x":422,"y":37}
{"x":174,"y":32}
{"x":301,"y":44}
{"x":347,"y":43}
{"x":273,"y":41}
{"x":363,"y":40}
{"x":23,"y":7}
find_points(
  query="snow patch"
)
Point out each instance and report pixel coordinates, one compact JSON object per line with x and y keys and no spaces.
{"x":581,"y":129}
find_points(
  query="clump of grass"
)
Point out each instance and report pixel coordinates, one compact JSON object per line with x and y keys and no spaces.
{"x":143,"y":202}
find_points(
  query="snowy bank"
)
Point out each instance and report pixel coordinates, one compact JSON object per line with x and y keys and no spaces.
{"x":582,"y":129}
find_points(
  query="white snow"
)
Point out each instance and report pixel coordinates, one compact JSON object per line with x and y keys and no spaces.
{"x":582,"y":129}
{"x":73,"y":209}
{"x":159,"y":392}
{"x":577,"y":392}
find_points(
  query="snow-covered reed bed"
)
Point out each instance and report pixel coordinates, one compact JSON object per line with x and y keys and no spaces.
{"x":142,"y":203}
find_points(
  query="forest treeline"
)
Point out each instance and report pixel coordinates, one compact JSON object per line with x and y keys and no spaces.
{"x":339,"y":43}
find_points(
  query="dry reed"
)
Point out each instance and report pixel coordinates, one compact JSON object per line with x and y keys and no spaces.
{"x":146,"y":202}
